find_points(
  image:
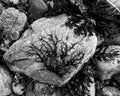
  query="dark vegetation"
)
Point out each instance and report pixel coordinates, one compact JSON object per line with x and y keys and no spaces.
{"x":56,"y":62}
{"x":62,"y":7}
{"x":54,"y":54}
{"x":106,"y":17}
{"x":102,"y":55}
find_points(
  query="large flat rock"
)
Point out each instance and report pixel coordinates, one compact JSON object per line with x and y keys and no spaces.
{"x":50,"y":51}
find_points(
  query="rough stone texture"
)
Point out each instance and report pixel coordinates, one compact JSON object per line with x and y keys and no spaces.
{"x":5,"y":81}
{"x":14,"y":2}
{"x":47,"y":30}
{"x":108,"y":61}
{"x":12,"y":21}
{"x":100,"y":40}
{"x":1,"y":8}
{"x":90,"y":87}
{"x":111,"y":91}
{"x":115,"y":4}
{"x":36,"y":9}
{"x":18,"y":88}
{"x":39,"y":89}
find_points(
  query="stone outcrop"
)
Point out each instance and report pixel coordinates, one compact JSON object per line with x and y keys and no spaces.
{"x":5,"y":81}
{"x":45,"y":50}
{"x":111,"y":91}
{"x":108,"y":61}
{"x":12,"y":22}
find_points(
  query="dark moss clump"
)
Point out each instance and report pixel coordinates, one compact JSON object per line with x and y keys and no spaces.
{"x":86,"y":27}
{"x":70,"y":9}
{"x":106,"y":17}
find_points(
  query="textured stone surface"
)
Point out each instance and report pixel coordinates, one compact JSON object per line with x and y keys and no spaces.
{"x":1,"y":8}
{"x":42,"y":34}
{"x":111,"y":91}
{"x":17,"y":88}
{"x":39,"y":89}
{"x":108,"y":61}
{"x":115,"y":4}
{"x":12,"y":21}
{"x":5,"y":81}
{"x":91,"y":87}
{"x":15,"y":2}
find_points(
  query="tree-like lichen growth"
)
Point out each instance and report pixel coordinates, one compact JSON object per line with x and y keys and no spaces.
{"x":54,"y":54}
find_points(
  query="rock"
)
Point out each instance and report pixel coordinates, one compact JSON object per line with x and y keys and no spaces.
{"x":39,"y":89}
{"x":90,"y":88}
{"x":108,"y":59}
{"x":12,"y":22}
{"x":5,"y":81}
{"x":18,"y":85}
{"x":115,"y":4}
{"x":100,"y":40}
{"x":36,"y":9}
{"x":1,"y":8}
{"x":111,"y":91}
{"x":18,"y":88}
{"x":42,"y":35}
{"x":15,"y":2}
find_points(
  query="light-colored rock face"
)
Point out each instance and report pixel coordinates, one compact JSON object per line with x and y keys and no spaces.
{"x":111,"y":91}
{"x":5,"y":81}
{"x":1,"y":8}
{"x":100,"y":40}
{"x":12,"y":21}
{"x":109,"y":61}
{"x":18,"y":88}
{"x":57,"y":44}
{"x":90,"y":88}
{"x":15,"y":2}
{"x":115,"y":4}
